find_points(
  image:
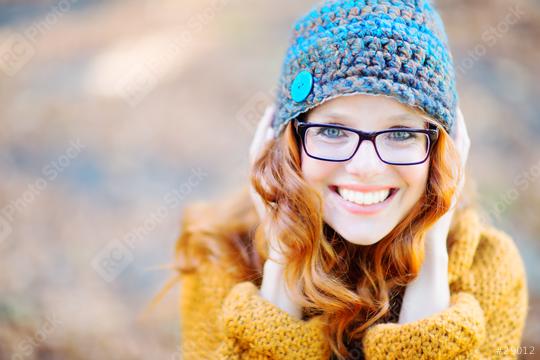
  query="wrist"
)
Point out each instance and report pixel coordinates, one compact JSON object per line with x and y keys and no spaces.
{"x":428,"y":294}
{"x":435,"y":249}
{"x":272,"y":273}
{"x":274,"y":289}
{"x":434,"y":269}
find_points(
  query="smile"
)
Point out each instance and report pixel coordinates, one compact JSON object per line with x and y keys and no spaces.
{"x":363,"y":202}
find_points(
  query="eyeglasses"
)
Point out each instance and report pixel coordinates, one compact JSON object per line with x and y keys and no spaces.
{"x":395,"y":146}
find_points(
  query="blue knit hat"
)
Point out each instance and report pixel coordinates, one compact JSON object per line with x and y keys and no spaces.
{"x":397,"y":48}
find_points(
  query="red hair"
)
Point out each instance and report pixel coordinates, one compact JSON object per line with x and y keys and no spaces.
{"x":351,"y":286}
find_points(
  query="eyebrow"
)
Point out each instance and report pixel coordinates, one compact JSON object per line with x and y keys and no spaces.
{"x":336,"y":118}
{"x":408,"y":118}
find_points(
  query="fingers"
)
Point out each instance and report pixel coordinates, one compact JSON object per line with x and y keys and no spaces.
{"x":462,"y":127}
{"x":459,"y":121}
{"x":263,"y":133}
{"x":275,"y":253}
{"x":462,"y":139}
{"x":268,"y":122}
{"x":462,"y":142}
{"x":264,"y":124}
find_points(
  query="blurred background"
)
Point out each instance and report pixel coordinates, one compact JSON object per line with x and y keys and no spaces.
{"x":115,"y":114}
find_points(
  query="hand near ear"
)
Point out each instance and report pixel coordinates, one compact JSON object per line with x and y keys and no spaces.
{"x":429,"y":292}
{"x":273,"y":286}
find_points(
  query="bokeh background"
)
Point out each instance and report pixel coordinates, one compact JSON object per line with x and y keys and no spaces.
{"x":115,"y":114}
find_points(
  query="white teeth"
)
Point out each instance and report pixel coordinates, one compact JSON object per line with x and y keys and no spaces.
{"x":364,"y":198}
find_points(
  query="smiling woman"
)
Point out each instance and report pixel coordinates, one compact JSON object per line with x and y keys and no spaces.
{"x":359,"y":178}
{"x":354,"y":238}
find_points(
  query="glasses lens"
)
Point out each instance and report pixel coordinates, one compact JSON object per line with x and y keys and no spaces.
{"x":402,"y":147}
{"x":330,"y":143}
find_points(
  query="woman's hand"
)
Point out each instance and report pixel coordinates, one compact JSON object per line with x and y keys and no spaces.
{"x":429,"y":293}
{"x":263,"y":134}
{"x":439,"y":231}
{"x":273,"y":286}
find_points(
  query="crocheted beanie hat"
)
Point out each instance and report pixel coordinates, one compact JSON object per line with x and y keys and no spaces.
{"x":396,"y":48}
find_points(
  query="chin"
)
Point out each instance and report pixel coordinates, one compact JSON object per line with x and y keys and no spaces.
{"x":360,"y":239}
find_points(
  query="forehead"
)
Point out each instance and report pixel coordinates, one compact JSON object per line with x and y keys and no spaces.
{"x":366,"y":111}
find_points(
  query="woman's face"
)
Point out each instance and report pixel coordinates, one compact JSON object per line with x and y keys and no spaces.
{"x":365,"y":175}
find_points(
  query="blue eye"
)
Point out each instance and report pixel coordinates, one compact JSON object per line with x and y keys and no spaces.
{"x":329,"y":132}
{"x":401,"y":135}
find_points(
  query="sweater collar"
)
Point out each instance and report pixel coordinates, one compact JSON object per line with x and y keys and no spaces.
{"x":463,"y":240}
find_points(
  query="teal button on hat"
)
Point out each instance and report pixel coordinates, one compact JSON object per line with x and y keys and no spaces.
{"x":301,"y":86}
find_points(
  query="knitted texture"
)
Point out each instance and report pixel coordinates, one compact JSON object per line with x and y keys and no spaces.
{"x":396,"y":48}
{"x":222,"y":317}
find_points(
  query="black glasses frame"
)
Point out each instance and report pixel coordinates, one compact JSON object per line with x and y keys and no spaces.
{"x":302,"y":127}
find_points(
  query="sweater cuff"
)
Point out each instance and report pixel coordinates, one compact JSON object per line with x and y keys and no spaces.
{"x":444,"y":335}
{"x":264,"y":327}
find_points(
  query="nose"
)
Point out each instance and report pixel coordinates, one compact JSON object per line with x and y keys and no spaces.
{"x":365,"y":161}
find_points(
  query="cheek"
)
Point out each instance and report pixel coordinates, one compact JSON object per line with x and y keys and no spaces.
{"x":318,"y":173}
{"x":415,"y":177}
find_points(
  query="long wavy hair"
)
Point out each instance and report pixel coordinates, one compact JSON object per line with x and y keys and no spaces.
{"x":352,"y":287}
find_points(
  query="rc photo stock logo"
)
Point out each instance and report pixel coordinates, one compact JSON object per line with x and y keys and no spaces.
{"x":117,"y":255}
{"x":19,"y":47}
{"x":15,"y":52}
{"x":251,"y":113}
{"x":33,"y":190}
{"x":111,"y":261}
{"x":5,"y":230}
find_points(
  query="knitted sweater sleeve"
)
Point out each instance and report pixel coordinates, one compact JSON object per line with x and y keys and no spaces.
{"x":485,"y":319}
{"x":222,"y":318}
{"x":260,"y":325}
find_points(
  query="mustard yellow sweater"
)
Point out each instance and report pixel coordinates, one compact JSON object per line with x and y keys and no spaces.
{"x":221,"y":318}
